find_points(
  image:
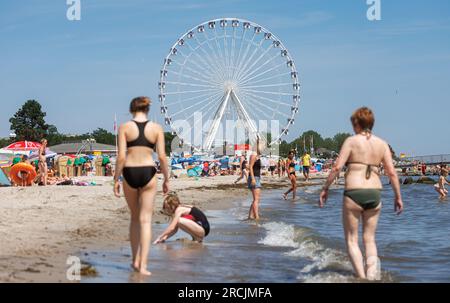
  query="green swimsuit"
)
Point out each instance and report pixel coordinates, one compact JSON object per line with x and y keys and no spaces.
{"x":367,"y":198}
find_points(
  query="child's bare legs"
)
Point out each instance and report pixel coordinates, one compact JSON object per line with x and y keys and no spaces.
{"x":196,"y":231}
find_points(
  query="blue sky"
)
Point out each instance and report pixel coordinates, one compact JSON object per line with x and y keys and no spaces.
{"x":84,"y":72}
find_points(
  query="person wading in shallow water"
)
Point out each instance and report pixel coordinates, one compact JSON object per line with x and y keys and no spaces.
{"x":137,"y":141}
{"x":306,"y":164}
{"x":244,"y":173}
{"x":254,"y":180}
{"x":362,"y":154}
{"x":290,"y":167}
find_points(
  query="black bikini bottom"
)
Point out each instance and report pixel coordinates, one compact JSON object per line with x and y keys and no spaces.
{"x":138,"y":177}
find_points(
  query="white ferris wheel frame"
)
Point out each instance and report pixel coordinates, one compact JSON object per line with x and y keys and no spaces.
{"x":229,"y":96}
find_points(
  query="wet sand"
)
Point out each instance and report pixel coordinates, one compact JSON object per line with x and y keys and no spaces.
{"x":41,"y":226}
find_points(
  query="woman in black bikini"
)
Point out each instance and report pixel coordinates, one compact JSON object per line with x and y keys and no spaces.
{"x":290,"y":168}
{"x":137,"y":141}
{"x":362,"y":154}
{"x":188,"y":218}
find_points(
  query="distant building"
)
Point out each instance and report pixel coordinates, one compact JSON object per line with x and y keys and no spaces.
{"x":89,"y":148}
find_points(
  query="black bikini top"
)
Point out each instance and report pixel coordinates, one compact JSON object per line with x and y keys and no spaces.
{"x":141,"y":140}
{"x":368,"y":169}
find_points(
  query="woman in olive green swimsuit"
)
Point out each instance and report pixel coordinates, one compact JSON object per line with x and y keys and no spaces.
{"x":362,"y":154}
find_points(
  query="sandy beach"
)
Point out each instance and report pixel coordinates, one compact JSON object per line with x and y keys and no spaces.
{"x":41,"y":226}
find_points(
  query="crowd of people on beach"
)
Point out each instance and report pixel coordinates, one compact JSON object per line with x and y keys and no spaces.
{"x":43,"y":170}
{"x":364,"y":156}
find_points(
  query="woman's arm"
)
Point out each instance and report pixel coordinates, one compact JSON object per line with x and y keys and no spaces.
{"x":389,"y":170}
{"x":172,"y":228}
{"x":252,"y":162}
{"x":344,"y":154}
{"x":120,"y":161}
{"x":161,"y":150}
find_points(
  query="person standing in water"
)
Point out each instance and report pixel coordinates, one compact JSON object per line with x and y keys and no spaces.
{"x":272,"y":166}
{"x":306,"y":163}
{"x":188,"y":218}
{"x":137,"y":140}
{"x":290,"y":168}
{"x":362,"y":154}
{"x":243,"y":164}
{"x":440,"y":186}
{"x":283,"y":167}
{"x":42,"y":164}
{"x":254,"y":181}
{"x":279,"y":164}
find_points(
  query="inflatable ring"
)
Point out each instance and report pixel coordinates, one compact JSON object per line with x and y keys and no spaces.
{"x":19,"y":169}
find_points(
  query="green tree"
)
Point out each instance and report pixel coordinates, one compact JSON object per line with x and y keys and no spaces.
{"x":285,"y":147}
{"x":103,"y":136}
{"x":329,"y":144}
{"x":29,"y":122}
{"x":339,"y":139}
{"x":168,"y":137}
{"x":393,"y":153}
{"x":53,"y":136}
{"x":306,"y":138}
{"x":4,"y":142}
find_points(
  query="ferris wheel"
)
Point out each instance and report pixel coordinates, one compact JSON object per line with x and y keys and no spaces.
{"x":229,"y":69}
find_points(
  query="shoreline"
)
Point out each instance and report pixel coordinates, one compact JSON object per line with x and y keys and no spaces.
{"x":40,"y":227}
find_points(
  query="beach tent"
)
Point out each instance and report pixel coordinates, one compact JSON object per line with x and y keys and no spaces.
{"x":194,"y":171}
{"x":318,"y":166}
{"x":224,"y":163}
{"x":4,"y":181}
{"x":186,"y":160}
{"x":176,"y":166}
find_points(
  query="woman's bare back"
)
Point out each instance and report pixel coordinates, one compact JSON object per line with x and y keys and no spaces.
{"x":140,"y":155}
{"x":364,"y":151}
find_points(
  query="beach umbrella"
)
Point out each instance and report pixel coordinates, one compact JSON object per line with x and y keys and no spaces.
{"x":23,"y":145}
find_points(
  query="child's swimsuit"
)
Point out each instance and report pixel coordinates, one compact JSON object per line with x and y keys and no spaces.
{"x":198,"y":217}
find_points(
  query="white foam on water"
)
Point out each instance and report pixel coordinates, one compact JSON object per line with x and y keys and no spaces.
{"x":320,"y":258}
{"x":313,"y":189}
{"x":306,"y":249}
{"x":279,"y":234}
{"x":326,"y":278}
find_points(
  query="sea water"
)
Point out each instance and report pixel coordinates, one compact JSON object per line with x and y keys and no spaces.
{"x":297,"y":242}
